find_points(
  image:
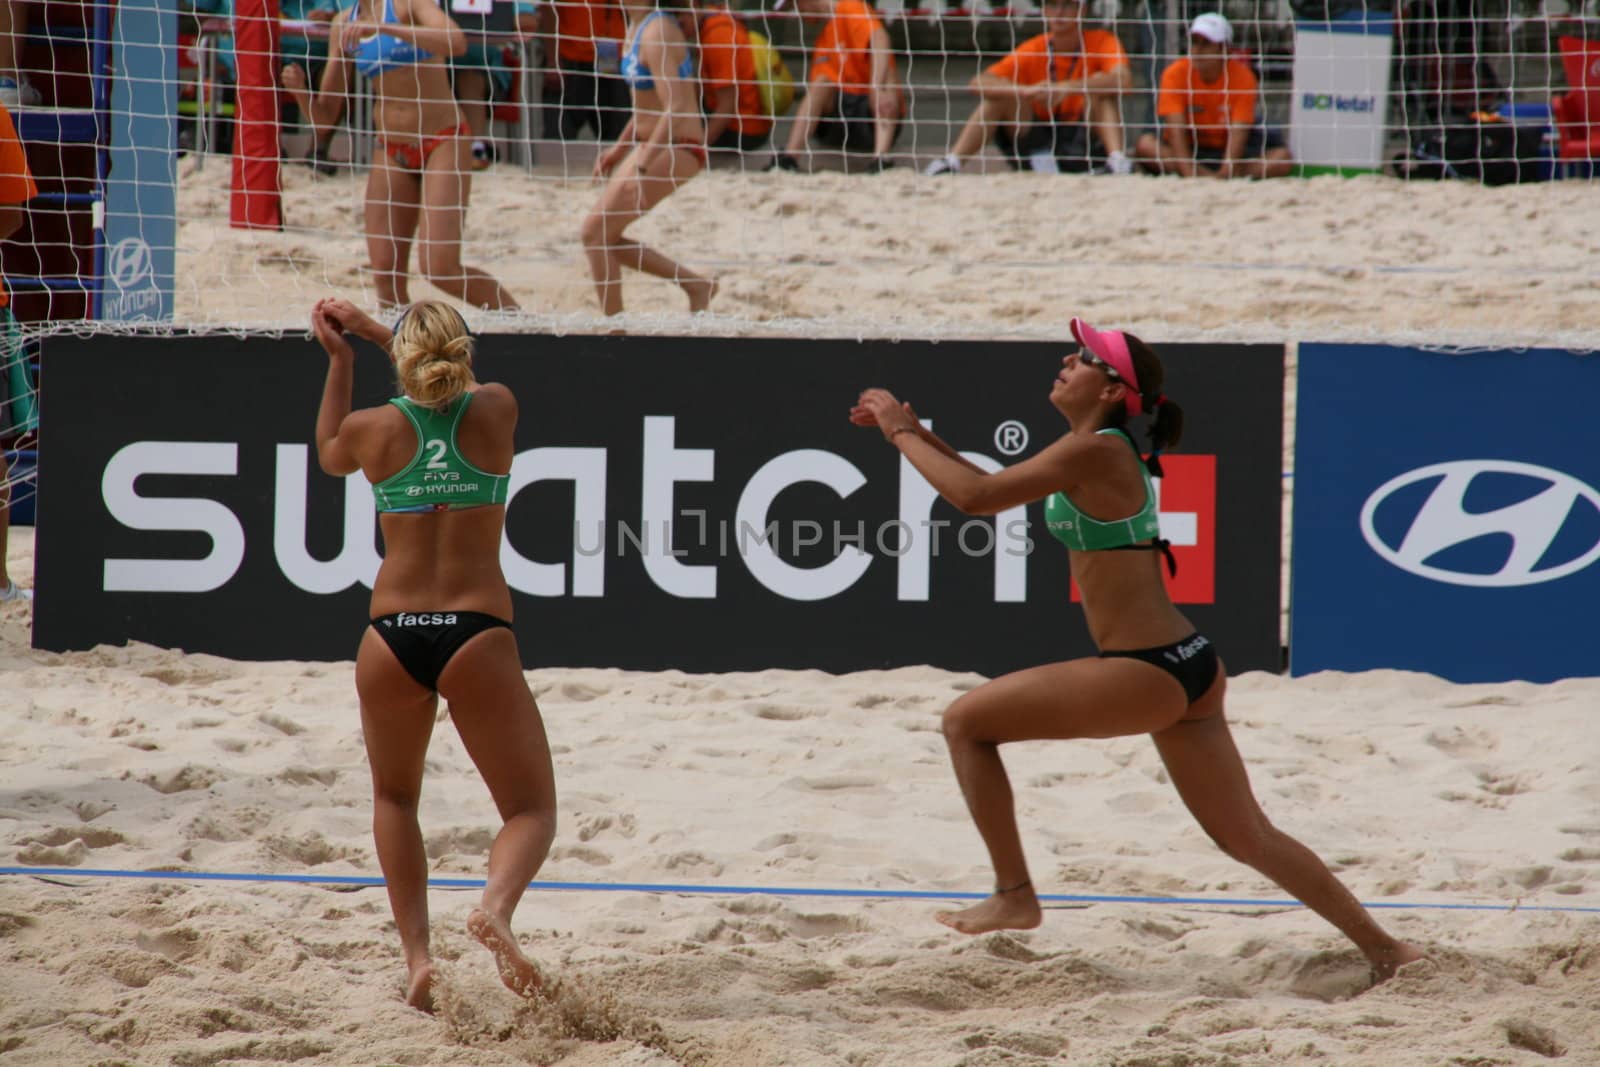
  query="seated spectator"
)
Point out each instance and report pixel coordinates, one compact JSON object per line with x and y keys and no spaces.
{"x":736,"y":115}
{"x":1207,"y":108}
{"x":310,"y":50}
{"x":853,"y":96}
{"x":583,"y":64}
{"x":19,"y":413}
{"x":481,"y":77}
{"x":1054,"y":104}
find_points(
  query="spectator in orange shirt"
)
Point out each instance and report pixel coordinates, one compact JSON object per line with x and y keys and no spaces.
{"x":19,"y":412}
{"x":853,"y":97}
{"x":1207,"y":107}
{"x":1054,"y":104}
{"x":582,"y":83}
{"x":736,"y":119}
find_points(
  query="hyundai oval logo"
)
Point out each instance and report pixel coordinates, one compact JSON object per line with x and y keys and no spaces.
{"x":1442,"y":522}
{"x":129,"y":262}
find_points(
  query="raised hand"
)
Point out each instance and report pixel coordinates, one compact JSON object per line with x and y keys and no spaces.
{"x":329,"y":332}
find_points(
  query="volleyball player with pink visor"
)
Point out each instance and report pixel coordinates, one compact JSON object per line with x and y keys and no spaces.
{"x":1154,"y":673}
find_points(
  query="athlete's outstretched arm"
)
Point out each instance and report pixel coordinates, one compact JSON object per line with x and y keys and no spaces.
{"x":969,"y":488}
{"x":863,"y":417}
{"x":334,"y":455}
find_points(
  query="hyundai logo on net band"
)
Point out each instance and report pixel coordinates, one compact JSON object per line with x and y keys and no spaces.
{"x":1443,"y":521}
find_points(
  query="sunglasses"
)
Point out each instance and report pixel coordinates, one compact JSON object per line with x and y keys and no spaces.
{"x":1089,"y":359}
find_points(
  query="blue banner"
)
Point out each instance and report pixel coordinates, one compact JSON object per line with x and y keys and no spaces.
{"x":1446,"y":513}
{"x":141,"y":190}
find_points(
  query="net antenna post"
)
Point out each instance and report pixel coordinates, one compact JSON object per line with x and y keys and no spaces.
{"x":257,"y":198}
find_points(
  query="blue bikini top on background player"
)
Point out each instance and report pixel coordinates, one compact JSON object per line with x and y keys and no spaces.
{"x":635,"y":73}
{"x":383,"y":52}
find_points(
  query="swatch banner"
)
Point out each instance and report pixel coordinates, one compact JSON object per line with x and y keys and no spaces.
{"x":675,"y":503}
{"x":1446,"y":513}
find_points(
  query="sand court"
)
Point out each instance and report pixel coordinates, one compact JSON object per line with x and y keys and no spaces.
{"x":1417,"y":791}
{"x":1471,"y":812}
{"x":994,"y":256}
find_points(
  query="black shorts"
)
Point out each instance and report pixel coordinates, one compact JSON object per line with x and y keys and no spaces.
{"x":852,"y":126}
{"x":587,"y":98}
{"x":424,"y":641}
{"x":1255,"y":146}
{"x":1075,"y":148}
{"x":1192,"y":661}
{"x":732,"y":140}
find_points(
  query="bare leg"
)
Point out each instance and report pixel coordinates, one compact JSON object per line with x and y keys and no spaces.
{"x":883,"y":131}
{"x":628,"y":195}
{"x":1276,"y":163}
{"x":500,"y":726}
{"x":391,"y":219}
{"x":446,"y":188}
{"x":397,"y":722}
{"x":1079,"y":698}
{"x":1147,"y":152}
{"x":817,"y":102}
{"x":1105,"y":121}
{"x":1210,"y":777}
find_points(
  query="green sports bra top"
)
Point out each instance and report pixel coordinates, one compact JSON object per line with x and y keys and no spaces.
{"x":1078,"y":531}
{"x":438,"y":478}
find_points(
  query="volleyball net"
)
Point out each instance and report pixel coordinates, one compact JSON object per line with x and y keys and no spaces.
{"x":220,"y":164}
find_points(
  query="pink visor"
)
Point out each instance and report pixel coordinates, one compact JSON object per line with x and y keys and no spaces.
{"x":1112,"y":346}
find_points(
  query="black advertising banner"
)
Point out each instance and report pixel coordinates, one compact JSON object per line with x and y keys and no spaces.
{"x":698,"y":504}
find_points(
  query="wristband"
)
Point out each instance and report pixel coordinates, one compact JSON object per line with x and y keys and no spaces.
{"x":896,"y":433}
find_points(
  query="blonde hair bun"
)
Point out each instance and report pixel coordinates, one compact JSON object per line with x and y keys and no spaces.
{"x":433,"y":354}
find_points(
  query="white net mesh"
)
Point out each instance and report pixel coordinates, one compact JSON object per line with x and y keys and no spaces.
{"x":405,"y":170}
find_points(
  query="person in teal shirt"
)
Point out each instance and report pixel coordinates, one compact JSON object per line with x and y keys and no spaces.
{"x":1154,"y":674}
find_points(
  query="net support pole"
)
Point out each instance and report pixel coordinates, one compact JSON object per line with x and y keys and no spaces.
{"x":257,"y":202}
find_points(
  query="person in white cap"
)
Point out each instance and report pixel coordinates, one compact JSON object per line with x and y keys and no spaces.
{"x":1053,"y":104}
{"x":1207,"y":106}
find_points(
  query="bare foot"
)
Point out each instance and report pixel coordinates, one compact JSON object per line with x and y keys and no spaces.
{"x":420,"y":994}
{"x":516,"y":970}
{"x":1387,"y":964}
{"x":701,"y":292}
{"x":1013,"y":910}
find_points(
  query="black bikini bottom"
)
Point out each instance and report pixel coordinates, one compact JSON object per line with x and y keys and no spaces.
{"x":1192,"y":661}
{"x":424,"y":641}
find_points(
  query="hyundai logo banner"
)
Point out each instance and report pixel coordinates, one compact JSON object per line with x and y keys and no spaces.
{"x":1446,"y":513}
{"x":698,"y":504}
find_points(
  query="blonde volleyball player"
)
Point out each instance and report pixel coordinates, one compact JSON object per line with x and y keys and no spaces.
{"x":440,"y":615}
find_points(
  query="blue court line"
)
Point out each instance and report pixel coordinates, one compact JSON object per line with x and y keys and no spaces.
{"x":367,"y":881}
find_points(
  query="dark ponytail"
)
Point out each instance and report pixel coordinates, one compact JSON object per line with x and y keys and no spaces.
{"x":1166,"y":417}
